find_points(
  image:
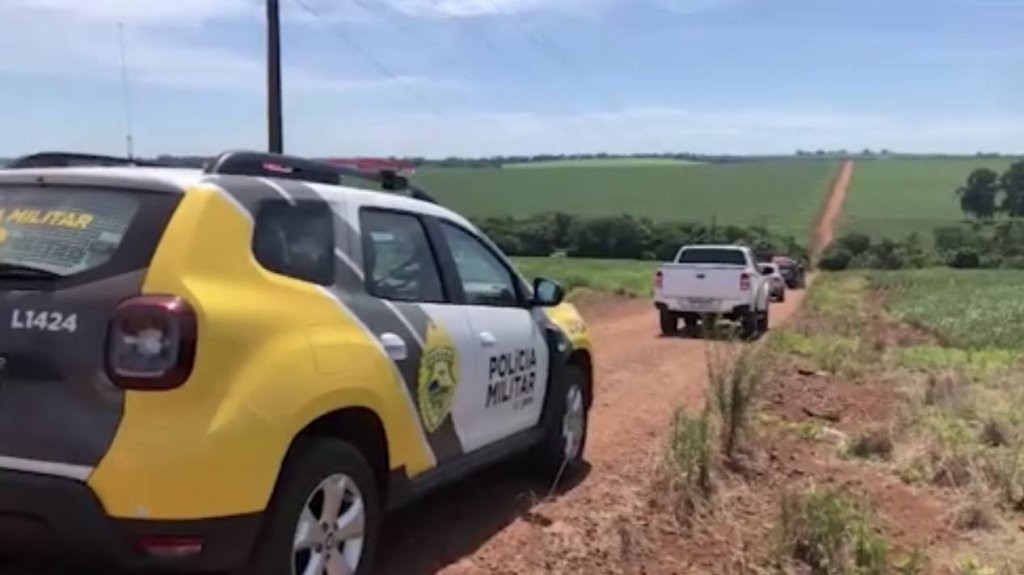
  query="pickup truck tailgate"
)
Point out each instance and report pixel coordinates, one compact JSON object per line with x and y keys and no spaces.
{"x":719,"y":282}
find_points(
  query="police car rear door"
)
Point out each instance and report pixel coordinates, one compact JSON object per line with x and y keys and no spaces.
{"x":511,"y":356}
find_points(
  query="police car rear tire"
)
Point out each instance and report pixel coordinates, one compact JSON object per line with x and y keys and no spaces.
{"x":561,"y":452}
{"x":326,"y":507}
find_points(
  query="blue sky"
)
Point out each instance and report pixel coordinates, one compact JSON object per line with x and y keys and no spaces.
{"x":482,"y":77}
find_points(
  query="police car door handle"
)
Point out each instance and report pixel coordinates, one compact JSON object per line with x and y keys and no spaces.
{"x":487,"y":339}
{"x":394,"y":346}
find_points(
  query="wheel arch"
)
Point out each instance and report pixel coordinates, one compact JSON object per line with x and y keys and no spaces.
{"x":582,"y":359}
{"x":361,"y":427}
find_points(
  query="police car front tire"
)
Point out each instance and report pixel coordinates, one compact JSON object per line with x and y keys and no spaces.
{"x":324,"y":517}
{"x":562,"y":450}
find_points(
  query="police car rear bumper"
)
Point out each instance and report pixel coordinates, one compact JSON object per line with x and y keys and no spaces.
{"x":49,"y":520}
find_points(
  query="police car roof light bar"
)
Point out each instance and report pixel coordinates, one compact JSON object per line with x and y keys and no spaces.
{"x":246,"y":163}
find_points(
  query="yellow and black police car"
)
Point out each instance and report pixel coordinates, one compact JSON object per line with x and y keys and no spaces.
{"x":242,"y":368}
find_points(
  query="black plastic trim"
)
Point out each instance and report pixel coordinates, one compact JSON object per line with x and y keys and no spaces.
{"x":46,"y":519}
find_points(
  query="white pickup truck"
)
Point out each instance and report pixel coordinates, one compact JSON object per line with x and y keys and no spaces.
{"x":705,"y":282}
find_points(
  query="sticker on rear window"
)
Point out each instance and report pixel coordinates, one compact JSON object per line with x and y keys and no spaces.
{"x":56,"y":218}
{"x":36,"y":320}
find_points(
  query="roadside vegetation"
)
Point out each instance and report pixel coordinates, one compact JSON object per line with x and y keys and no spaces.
{"x":879,"y":433}
{"x":624,"y":237}
{"x":579,"y":275}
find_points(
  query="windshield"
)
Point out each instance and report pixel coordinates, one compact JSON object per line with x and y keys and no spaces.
{"x":721,"y":256}
{"x":62,"y":232}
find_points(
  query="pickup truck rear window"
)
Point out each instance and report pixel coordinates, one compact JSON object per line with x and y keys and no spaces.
{"x":712,"y":256}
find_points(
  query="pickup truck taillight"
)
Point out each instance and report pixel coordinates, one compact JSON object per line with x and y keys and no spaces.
{"x":744,"y":281}
{"x":659,"y":279}
{"x":152,"y":343}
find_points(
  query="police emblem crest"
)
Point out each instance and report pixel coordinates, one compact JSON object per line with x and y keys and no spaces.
{"x":438,"y":378}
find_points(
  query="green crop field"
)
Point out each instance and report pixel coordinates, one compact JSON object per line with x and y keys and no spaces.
{"x":966,"y":308}
{"x":785,"y":196}
{"x":601,"y":163}
{"x":893,"y":198}
{"x":624,"y":277}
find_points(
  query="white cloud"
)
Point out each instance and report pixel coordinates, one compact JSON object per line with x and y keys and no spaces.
{"x":649,"y":130}
{"x":141,"y":12}
{"x":88,"y":48}
{"x":468,"y":8}
{"x":685,"y":7}
{"x":715,"y":131}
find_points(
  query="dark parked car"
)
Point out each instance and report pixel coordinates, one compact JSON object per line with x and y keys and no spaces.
{"x":792,"y":271}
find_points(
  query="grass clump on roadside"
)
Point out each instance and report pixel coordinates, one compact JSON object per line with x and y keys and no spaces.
{"x":873,"y":444}
{"x":690,"y":462}
{"x":736,"y":376}
{"x":832,"y":533}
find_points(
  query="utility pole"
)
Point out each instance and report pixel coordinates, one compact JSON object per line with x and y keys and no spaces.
{"x":274,"y":121}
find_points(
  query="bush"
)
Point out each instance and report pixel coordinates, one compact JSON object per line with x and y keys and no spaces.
{"x":835,"y":258}
{"x":855,"y":244}
{"x":965,"y":258}
{"x":624,"y":237}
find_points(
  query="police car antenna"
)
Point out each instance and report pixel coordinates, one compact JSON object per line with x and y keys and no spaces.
{"x":129,"y":123}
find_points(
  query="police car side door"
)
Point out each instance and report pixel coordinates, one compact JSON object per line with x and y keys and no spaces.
{"x":507,"y":393}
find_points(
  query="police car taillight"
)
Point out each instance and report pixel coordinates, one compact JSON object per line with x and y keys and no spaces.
{"x":152,"y":343}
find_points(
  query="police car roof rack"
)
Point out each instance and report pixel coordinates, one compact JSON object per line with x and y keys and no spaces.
{"x":74,"y":159}
{"x":246,"y":163}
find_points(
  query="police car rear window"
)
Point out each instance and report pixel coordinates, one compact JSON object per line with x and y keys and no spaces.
{"x":62,"y":232}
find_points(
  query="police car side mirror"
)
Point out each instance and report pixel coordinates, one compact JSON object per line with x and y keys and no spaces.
{"x":547,"y":293}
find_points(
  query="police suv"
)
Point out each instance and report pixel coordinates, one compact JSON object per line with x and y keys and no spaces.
{"x":243,"y":367}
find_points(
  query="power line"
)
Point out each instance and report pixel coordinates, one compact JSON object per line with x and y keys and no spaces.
{"x":554,"y":54}
{"x":378,"y":65}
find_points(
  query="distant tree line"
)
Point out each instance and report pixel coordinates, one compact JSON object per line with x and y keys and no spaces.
{"x":625,"y":237}
{"x":991,"y":237}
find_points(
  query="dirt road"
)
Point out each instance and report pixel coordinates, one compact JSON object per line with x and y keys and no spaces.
{"x":825,"y":230}
{"x":489,"y":523}
{"x":499,"y":522}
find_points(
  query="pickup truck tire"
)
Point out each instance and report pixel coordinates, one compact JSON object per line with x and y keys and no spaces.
{"x":750,"y":324}
{"x":782,"y":296}
{"x":691,"y":321}
{"x":669,"y":323}
{"x":313,"y":470}
{"x":763,"y":321}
